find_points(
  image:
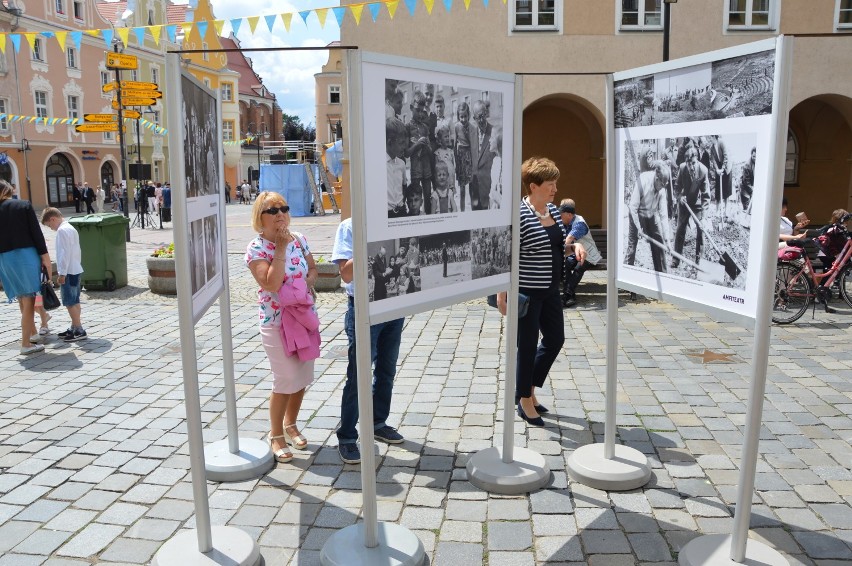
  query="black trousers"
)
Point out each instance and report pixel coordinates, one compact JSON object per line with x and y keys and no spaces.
{"x":544,"y":317}
{"x":573,"y":275}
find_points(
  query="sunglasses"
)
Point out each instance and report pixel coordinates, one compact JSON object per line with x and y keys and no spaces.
{"x":273,"y":210}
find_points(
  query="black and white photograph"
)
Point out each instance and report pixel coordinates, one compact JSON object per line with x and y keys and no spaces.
{"x":201,"y":158}
{"x":445,"y":259}
{"x":444,"y":149}
{"x":197,"y":269}
{"x":688,"y":204}
{"x":490,"y":251}
{"x":394,"y":268}
{"x":729,"y":88}
{"x":212,"y":259}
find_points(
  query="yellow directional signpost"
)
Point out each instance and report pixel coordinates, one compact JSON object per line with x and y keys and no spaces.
{"x":141,"y":94}
{"x":132,"y":114}
{"x":100,"y":118}
{"x":138,"y":85}
{"x":109,"y":87}
{"x":137,"y":101}
{"x":104,"y":127}
{"x":121,"y":61}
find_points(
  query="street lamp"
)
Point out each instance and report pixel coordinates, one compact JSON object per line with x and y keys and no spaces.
{"x":667,"y":24}
{"x":256,"y":139}
{"x":25,"y":147}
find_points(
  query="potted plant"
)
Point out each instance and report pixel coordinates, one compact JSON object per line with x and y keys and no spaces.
{"x":161,"y":271}
{"x":329,"y":275}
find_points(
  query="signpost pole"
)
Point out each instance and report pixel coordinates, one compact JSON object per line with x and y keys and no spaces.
{"x":122,"y":147}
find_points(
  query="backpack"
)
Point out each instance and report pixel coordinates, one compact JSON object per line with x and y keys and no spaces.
{"x":789,"y":253}
{"x":832,"y":240}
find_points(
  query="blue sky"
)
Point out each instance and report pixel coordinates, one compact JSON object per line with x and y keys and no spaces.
{"x":289,"y":74}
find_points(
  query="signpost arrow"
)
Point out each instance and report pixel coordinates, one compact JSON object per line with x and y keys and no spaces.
{"x":100,"y":118}
{"x":109,"y":87}
{"x":138,"y":85}
{"x":132,"y":114}
{"x":137,"y":101}
{"x":141,"y":94}
{"x":110,"y":127}
{"x":121,"y":61}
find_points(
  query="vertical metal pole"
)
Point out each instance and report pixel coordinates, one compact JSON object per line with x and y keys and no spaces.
{"x":511,"y":329}
{"x":611,"y":289}
{"x":762,"y":324}
{"x":139,"y":172}
{"x":667,"y":24}
{"x":121,"y":146}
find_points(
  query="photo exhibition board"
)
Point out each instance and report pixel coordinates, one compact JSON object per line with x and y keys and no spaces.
{"x":203,"y":188}
{"x":438,"y":169}
{"x":693,"y":148}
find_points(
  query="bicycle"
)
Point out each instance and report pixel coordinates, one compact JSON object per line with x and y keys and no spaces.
{"x":797,"y":283}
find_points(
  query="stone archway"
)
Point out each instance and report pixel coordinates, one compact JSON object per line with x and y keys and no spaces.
{"x":822,"y":126}
{"x":570,"y":131}
{"x":59,"y":176}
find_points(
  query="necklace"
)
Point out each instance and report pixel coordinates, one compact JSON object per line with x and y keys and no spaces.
{"x":534,"y":211}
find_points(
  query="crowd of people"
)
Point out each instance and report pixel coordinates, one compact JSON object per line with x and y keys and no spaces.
{"x":396,"y":275}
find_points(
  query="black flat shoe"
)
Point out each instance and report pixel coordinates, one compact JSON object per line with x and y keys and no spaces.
{"x":537,"y":421}
{"x":541,"y":409}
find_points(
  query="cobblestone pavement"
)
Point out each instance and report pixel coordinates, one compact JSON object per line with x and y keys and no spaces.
{"x":95,"y":462}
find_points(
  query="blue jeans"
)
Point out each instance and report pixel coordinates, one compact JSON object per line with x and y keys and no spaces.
{"x":384,"y":351}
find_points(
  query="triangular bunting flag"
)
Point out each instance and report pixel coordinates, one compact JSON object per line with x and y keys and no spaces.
{"x":140,"y":35}
{"x":77,"y":38}
{"x":392,"y":6}
{"x":448,"y":4}
{"x":411,"y":4}
{"x":287,"y":18}
{"x":107,"y":33}
{"x":429,"y":5}
{"x":3,"y":43}
{"x":235,"y":25}
{"x":171,"y":31}
{"x":270,"y":21}
{"x":218,"y":25}
{"x":253,"y":23}
{"x":339,"y":13}
{"x":356,"y":12}
{"x":467,"y":4}
{"x":485,"y":3}
{"x":32,"y":119}
{"x":124,"y":34}
{"x":31,"y":37}
{"x":47,"y":34}
{"x":16,"y":41}
{"x":61,"y":36}
{"x":375,"y":7}
{"x":322,"y":14}
{"x":93,"y":32}
{"x":155,"y":33}
{"x":305,"y":14}
{"x":65,"y":120}
{"x":202,"y":29}
{"x":187,"y":29}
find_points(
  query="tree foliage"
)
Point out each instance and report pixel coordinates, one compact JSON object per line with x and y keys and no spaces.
{"x":294,"y":130}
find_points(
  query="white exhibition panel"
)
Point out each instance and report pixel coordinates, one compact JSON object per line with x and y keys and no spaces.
{"x":466,"y":277}
{"x":726,"y":94}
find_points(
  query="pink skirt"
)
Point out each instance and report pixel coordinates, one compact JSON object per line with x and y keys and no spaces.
{"x":290,"y":374}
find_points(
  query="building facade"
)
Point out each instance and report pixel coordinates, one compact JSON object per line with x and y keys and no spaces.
{"x":565,"y":48}
{"x":329,"y":84}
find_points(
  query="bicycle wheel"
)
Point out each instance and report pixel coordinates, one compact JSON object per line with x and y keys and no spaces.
{"x":846,"y":285}
{"x":793,"y":291}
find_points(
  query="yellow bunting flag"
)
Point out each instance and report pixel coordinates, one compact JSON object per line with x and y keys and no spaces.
{"x":392,"y":6}
{"x":60,"y":38}
{"x":93,"y":32}
{"x":219,"y":24}
{"x":33,"y":119}
{"x":356,"y":10}
{"x":3,"y":43}
{"x":321,"y":15}
{"x":31,"y":37}
{"x":429,"y":5}
{"x":123,"y":33}
{"x":253,"y":23}
{"x":187,"y":28}
{"x":155,"y":33}
{"x":287,"y":18}
{"x":467,"y":4}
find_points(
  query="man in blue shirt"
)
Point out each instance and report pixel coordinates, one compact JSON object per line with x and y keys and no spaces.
{"x":578,"y":231}
{"x":385,"y":339}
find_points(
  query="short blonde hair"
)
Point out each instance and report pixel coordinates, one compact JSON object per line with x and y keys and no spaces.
{"x":6,"y":191}
{"x":538,"y":170}
{"x":49,"y":213}
{"x":263,"y":201}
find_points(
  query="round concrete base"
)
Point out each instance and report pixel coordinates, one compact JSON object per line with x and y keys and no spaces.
{"x":397,"y":547}
{"x":628,"y":470}
{"x":715,"y":550}
{"x":527,"y":472}
{"x":253,"y":460}
{"x":231,"y":546}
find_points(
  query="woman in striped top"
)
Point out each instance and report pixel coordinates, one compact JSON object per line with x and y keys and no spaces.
{"x":542,"y":252}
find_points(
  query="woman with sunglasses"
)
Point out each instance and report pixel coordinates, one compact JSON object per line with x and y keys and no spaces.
{"x":283,"y":266}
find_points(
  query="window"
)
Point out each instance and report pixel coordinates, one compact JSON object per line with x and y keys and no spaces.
{"x":38,"y":50}
{"x":108,"y":136}
{"x":750,"y":14}
{"x":535,"y":15}
{"x":4,"y":121}
{"x":71,"y":56}
{"x":334,"y":94}
{"x":78,"y":9}
{"x":638,"y":15}
{"x":60,"y":6}
{"x":41,"y":103}
{"x":228,"y":130}
{"x":206,"y":82}
{"x":205,"y":55}
{"x":73,"y":107}
{"x":843,"y":16}
{"x":105,"y":80}
{"x":227,"y":92}
{"x":134,"y":74}
{"x":155,"y":75}
{"x":150,"y":17}
{"x":791,"y":165}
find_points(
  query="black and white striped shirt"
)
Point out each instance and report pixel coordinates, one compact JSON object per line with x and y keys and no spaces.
{"x":536,"y":256}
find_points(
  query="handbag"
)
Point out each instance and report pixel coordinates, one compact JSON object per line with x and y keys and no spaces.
{"x":523,"y":303}
{"x":49,"y":299}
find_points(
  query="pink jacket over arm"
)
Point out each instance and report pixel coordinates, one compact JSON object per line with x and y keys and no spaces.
{"x":299,"y":322}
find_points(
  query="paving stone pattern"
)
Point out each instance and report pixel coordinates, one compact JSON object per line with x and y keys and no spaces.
{"x":95,"y":465}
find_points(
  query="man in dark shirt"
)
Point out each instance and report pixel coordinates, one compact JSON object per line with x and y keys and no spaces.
{"x":380,"y":273}
{"x":77,"y":197}
{"x":89,"y":197}
{"x":694,"y":194}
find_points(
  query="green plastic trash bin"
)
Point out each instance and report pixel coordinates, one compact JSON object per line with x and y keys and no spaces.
{"x":104,"y":258}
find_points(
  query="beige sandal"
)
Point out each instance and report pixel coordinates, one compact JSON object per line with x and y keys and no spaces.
{"x":297,"y":440}
{"x":282,"y":454}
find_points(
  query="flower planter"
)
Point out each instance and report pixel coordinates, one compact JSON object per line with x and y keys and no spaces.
{"x":161,"y":275}
{"x":329,"y":277}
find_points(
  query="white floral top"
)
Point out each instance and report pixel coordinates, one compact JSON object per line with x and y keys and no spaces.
{"x":295,"y":265}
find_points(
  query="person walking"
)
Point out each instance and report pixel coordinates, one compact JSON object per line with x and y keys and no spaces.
{"x":69,"y":267}
{"x":385,"y":339}
{"x":282,"y":264}
{"x":100,"y":197}
{"x":89,"y":198}
{"x":23,"y":252}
